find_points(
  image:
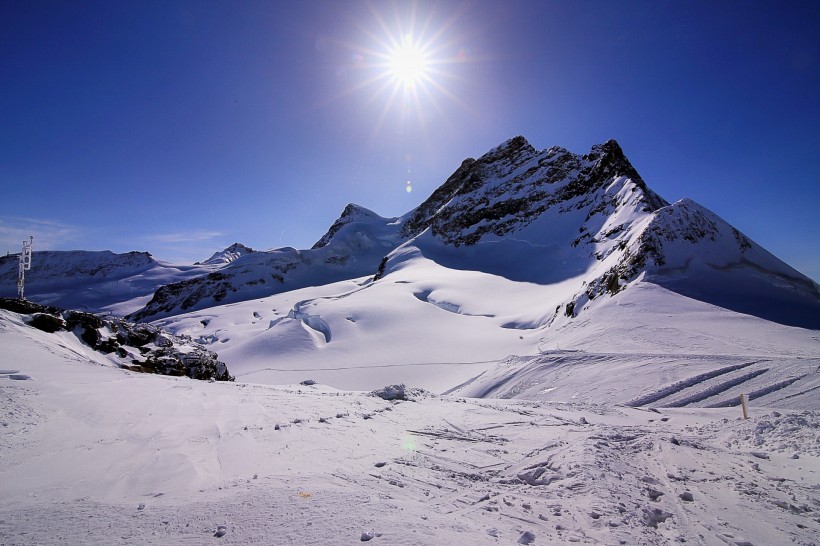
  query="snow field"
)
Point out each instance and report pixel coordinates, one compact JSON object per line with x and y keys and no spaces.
{"x":424,"y":326}
{"x":95,"y":454}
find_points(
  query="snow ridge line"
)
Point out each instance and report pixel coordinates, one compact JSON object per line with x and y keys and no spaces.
{"x":717,"y":389}
{"x":686,"y":383}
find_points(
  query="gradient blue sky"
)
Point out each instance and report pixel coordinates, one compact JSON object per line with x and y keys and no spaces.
{"x":180,"y":127}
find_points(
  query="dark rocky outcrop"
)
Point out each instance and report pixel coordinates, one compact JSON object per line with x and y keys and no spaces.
{"x":139,"y":347}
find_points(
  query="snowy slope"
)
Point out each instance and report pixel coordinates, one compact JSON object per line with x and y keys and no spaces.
{"x":92,"y":454}
{"x":649,"y":346}
{"x":425,"y":326}
{"x":589,"y":259}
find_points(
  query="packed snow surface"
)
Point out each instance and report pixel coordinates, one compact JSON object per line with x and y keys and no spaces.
{"x":94,"y":454}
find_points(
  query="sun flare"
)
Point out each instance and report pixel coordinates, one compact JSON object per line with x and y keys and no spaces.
{"x":409,"y":66}
{"x":407,"y":63}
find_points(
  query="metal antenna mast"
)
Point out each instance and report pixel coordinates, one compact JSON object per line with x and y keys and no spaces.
{"x":25,"y":265}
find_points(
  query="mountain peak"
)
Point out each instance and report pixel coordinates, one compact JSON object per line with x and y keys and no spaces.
{"x":351,"y":213}
{"x":229,"y":254}
{"x":610,"y":153}
{"x":510,"y":150}
{"x":610,"y":146}
{"x":510,"y":186}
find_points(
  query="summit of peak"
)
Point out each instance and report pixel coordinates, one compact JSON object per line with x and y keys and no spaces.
{"x":609,"y":148}
{"x":239,"y":246}
{"x":354,"y":210}
{"x":228,"y":255}
{"x":510,"y":149}
{"x":352,"y":213}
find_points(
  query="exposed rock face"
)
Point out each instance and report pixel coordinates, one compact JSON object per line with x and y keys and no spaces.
{"x":139,"y":347}
{"x":513,"y":184}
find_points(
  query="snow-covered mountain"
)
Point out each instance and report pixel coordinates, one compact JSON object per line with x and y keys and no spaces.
{"x":552,"y":216}
{"x":58,"y":268}
{"x":526,"y":253}
{"x":586,"y":222}
{"x":352,"y":247}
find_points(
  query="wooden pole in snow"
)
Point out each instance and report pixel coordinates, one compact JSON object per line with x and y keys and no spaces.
{"x":743,"y":405}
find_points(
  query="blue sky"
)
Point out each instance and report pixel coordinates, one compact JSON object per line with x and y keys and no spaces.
{"x":180,"y":127}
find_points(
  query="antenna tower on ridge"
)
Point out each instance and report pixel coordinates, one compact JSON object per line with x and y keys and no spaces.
{"x":25,"y":265}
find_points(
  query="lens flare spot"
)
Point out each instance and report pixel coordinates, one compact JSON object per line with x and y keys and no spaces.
{"x":409,"y":444}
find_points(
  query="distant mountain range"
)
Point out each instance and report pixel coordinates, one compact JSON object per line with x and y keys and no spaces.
{"x":519,"y":256}
{"x":543,"y":217}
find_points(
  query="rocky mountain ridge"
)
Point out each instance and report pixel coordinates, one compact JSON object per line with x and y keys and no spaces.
{"x":513,"y":184}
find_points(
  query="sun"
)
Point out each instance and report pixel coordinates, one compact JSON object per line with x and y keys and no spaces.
{"x":407,"y":63}
{"x":406,"y":68}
